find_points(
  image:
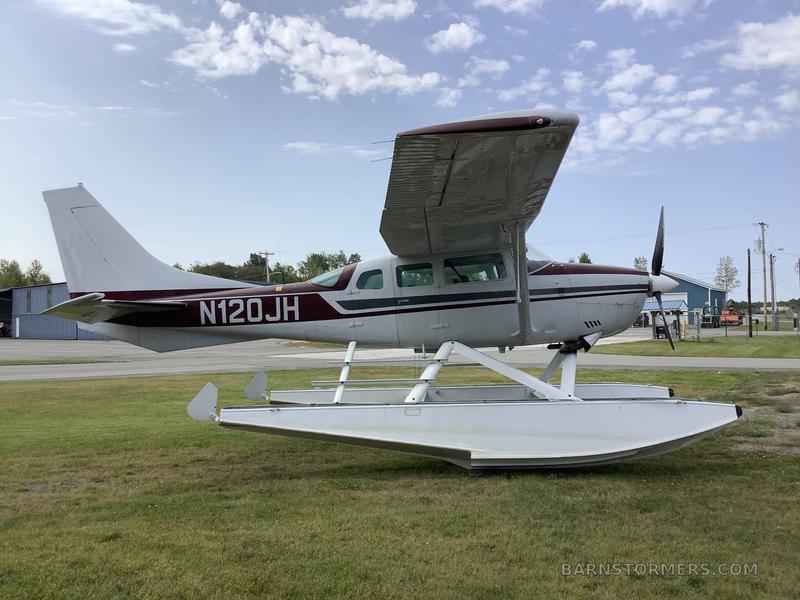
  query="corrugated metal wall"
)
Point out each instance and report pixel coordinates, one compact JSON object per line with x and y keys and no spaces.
{"x":28,"y":302}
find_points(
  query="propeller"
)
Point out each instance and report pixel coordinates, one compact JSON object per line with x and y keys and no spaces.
{"x":658,"y":251}
{"x":658,"y":259}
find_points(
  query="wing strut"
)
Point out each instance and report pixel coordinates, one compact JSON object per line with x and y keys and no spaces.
{"x":521,"y":274}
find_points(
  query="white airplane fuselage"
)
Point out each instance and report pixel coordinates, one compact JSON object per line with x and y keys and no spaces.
{"x":377,"y":302}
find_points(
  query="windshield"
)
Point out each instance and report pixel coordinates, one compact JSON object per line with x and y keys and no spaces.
{"x":537,"y":260}
{"x":329,"y":279}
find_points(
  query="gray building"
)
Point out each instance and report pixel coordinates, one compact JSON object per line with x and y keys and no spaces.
{"x":20,"y":309}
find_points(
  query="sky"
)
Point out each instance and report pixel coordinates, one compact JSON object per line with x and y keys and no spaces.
{"x":211,"y":129}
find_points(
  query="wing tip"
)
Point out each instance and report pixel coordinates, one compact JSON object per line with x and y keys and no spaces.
{"x":514,"y":120}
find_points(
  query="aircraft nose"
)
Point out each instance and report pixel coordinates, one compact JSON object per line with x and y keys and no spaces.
{"x":662,"y":283}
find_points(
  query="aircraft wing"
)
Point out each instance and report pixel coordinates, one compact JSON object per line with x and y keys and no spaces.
{"x":459,"y":186}
{"x":92,"y":308}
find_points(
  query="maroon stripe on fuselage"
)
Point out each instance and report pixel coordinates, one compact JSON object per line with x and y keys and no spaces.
{"x":558,"y":268}
{"x":313,"y":307}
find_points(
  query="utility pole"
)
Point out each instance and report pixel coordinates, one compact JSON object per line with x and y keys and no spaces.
{"x":772,"y":258}
{"x":749,"y":298}
{"x":763,"y":247}
{"x":266,"y":254}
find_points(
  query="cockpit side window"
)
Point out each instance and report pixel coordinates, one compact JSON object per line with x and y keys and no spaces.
{"x":473,"y":269}
{"x":370,"y":280}
{"x":415,"y":275}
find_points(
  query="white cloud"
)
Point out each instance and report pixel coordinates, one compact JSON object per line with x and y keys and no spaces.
{"x":118,"y":17}
{"x":573,"y":81}
{"x":665,"y":83}
{"x":620,"y":97}
{"x":659,"y":8}
{"x":703,"y":47}
{"x":215,"y":53}
{"x":476,"y":67}
{"x":515,"y":30}
{"x":674,"y":114}
{"x":147,"y":83}
{"x":313,"y":61}
{"x":695,"y":95}
{"x":669,"y":135}
{"x":609,"y":130}
{"x":448,"y":97}
{"x":229,"y":9}
{"x":788,"y":101}
{"x":703,"y":93}
{"x":321,"y":148}
{"x":46,"y":109}
{"x":316,"y":62}
{"x":509,"y":6}
{"x":379,"y":10}
{"x":621,"y":57}
{"x":586,"y":45}
{"x":708,"y":115}
{"x":765,"y":46}
{"x":124,"y":48}
{"x":745,"y":89}
{"x":533,"y":87}
{"x":459,"y":36}
{"x":630,"y":78}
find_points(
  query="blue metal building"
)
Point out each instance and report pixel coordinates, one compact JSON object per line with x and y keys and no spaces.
{"x":26,"y":321}
{"x":696,"y":294}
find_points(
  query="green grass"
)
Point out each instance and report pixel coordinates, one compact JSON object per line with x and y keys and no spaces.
{"x":109,"y":490}
{"x":733,"y":346}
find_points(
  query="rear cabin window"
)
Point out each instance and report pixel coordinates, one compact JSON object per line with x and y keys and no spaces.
{"x":471,"y":269}
{"x":370,"y":280}
{"x":414,"y":275}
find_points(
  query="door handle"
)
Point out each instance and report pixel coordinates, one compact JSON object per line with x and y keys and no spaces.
{"x":440,"y":326}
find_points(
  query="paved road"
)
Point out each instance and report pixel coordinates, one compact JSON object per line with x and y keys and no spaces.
{"x":274,"y":355}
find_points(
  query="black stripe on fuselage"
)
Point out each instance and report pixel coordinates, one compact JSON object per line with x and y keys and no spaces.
{"x":557,"y":293}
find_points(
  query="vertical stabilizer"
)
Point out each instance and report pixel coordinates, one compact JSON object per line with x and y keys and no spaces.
{"x":98,"y":255}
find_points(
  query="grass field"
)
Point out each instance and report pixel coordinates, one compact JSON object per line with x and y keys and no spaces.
{"x":109,"y":490}
{"x":763,"y":346}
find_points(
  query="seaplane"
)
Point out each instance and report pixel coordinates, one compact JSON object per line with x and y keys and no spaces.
{"x":460,"y":276}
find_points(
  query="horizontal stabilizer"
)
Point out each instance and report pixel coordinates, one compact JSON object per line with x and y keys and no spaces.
{"x":92,"y":308}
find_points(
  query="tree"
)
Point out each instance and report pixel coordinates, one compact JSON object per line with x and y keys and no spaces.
{"x":584,"y":258}
{"x":11,"y":274}
{"x":35,"y":274}
{"x":640,"y":263}
{"x":318,"y":263}
{"x":726,"y":276}
{"x":217,"y":269}
{"x":281,"y":273}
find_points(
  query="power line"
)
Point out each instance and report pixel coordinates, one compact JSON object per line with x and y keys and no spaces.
{"x":639,"y":236}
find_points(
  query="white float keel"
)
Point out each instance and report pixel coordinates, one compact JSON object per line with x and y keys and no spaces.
{"x":529,"y":424}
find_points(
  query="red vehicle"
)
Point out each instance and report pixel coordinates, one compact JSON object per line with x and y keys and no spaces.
{"x":729,"y":316}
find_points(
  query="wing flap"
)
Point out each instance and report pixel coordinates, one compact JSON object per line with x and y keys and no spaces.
{"x":92,"y":308}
